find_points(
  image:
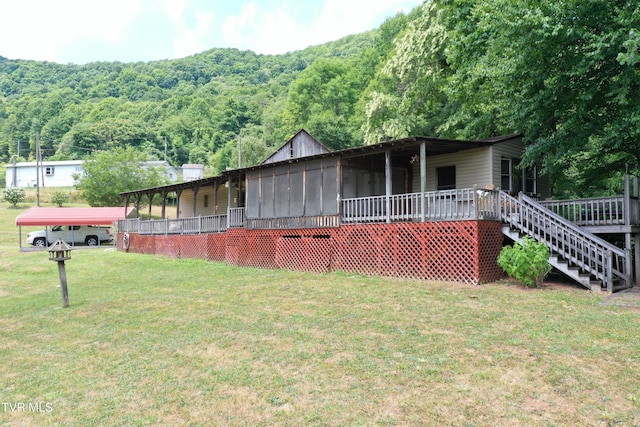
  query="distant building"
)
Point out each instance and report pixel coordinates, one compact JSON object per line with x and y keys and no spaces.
{"x":60,"y":173}
{"x":172,"y":173}
{"x":52,"y":174}
{"x":192,"y":171}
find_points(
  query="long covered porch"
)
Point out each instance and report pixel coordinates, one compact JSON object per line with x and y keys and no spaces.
{"x":446,"y":205}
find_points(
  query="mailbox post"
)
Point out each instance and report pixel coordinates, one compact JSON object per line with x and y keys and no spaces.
{"x":60,"y":252}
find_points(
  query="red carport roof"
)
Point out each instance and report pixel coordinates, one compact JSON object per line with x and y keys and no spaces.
{"x":73,"y":216}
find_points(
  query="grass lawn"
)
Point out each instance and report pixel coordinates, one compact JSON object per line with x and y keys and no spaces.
{"x":155,"y":341}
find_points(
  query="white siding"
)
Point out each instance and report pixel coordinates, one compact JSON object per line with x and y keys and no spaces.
{"x":472,"y":168}
{"x":186,"y":202}
{"x":52,"y":174}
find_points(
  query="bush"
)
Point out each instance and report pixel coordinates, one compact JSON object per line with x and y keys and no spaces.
{"x":59,"y":198}
{"x":527,"y":262}
{"x":14,"y":195}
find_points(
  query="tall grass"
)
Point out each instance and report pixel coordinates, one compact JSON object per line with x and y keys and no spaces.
{"x":155,"y":341}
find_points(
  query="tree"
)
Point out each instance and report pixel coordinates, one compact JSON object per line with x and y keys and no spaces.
{"x":14,"y":196}
{"x":110,"y":173}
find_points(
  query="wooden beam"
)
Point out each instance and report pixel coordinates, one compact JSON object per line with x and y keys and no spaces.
{"x":423,"y":179}
{"x":388,"y":182}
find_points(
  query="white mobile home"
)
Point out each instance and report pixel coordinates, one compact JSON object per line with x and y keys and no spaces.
{"x":51,"y":174}
{"x":60,"y":173}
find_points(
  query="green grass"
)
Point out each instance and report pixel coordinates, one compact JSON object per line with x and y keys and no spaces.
{"x":155,"y":341}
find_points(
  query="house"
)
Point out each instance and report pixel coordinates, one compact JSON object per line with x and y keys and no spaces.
{"x":427,"y":208}
{"x":60,"y":173}
{"x":191,"y":171}
{"x":52,"y":174}
{"x":171,"y":172}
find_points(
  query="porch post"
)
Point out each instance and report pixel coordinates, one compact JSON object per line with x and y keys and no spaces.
{"x":178,"y":194}
{"x":339,"y":188}
{"x":195,"y":189}
{"x":636,"y":257}
{"x":164,"y":204}
{"x":627,"y":201}
{"x":229,"y":199}
{"x":150,"y":197}
{"x":138,"y":197}
{"x":388,"y":187}
{"x":215,"y":197}
{"x":423,"y":180}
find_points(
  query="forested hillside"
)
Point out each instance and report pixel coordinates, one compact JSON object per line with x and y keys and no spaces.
{"x":565,"y":74}
{"x":196,"y":107}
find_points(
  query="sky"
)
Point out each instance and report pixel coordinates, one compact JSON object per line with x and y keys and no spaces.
{"x":82,"y":31}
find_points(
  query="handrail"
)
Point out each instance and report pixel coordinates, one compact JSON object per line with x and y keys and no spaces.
{"x":592,"y":254}
{"x":593,"y":211}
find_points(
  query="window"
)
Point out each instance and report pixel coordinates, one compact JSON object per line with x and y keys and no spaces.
{"x":446,"y":178}
{"x":206,"y":200}
{"x":48,"y":170}
{"x":530,"y":179}
{"x":506,"y":175}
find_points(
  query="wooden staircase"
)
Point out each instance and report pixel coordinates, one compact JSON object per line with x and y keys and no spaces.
{"x":586,"y":258}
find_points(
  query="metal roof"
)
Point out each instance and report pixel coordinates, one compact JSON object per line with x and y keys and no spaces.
{"x":434,"y":146}
{"x":73,"y":216}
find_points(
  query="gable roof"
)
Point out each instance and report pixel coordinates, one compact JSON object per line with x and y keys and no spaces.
{"x":73,"y":216}
{"x":301,"y":145}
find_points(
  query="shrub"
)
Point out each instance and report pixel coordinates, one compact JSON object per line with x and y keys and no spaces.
{"x":59,"y":198}
{"x":527,"y":262}
{"x":14,"y":195}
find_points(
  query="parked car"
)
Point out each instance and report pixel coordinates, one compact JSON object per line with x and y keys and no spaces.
{"x":90,"y":235}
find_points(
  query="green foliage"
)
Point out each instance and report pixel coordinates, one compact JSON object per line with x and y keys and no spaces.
{"x":564,"y":74}
{"x":14,"y":195}
{"x":59,"y":198}
{"x":195,"y":104}
{"x":112,"y":172}
{"x":527,"y":262}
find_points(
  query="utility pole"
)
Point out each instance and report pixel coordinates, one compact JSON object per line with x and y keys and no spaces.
{"x":165,"y":148}
{"x":38,"y":169}
{"x":239,"y":151}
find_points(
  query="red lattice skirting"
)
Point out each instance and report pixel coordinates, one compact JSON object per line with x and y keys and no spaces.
{"x":458,"y":251}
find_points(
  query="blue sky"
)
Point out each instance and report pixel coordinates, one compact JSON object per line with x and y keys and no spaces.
{"x":81,"y":31}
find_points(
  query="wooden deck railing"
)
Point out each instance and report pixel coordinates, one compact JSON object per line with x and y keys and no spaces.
{"x":447,"y":205}
{"x":191,"y":225}
{"x":592,"y":212}
{"x":583,"y":249}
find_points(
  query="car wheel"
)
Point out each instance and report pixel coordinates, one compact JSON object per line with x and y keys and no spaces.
{"x":91,"y":241}
{"x":40,"y":242}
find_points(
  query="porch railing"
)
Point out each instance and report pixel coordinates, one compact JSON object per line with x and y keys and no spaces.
{"x":192,"y":225}
{"x":596,"y":211}
{"x":460,"y":204}
{"x":447,"y":205}
{"x":236,"y":217}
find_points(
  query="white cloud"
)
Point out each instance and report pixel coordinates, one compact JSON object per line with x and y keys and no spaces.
{"x":189,"y":41}
{"x":281,"y":29}
{"x":88,"y":30}
{"x":36,"y":29}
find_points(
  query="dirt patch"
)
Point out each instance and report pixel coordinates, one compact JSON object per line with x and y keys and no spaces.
{"x":629,"y":298}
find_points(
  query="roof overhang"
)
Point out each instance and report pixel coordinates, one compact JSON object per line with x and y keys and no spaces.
{"x":434,"y":147}
{"x":73,"y":216}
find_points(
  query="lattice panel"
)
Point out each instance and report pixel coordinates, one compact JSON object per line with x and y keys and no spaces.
{"x":489,"y":247}
{"x":216,"y":246}
{"x":305,"y":252}
{"x":459,"y":251}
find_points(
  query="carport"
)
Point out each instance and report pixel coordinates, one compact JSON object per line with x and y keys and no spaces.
{"x":40,"y":216}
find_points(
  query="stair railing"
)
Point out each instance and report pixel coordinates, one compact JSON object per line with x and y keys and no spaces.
{"x":590,"y":253}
